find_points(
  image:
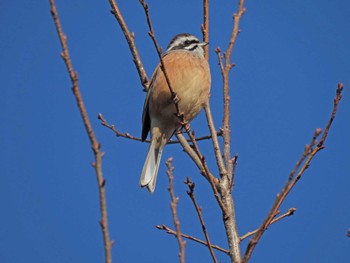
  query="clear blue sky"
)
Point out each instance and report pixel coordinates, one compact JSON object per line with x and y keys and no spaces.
{"x":290,"y":56}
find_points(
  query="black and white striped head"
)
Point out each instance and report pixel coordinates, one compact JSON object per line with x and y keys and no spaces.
{"x":187,"y":42}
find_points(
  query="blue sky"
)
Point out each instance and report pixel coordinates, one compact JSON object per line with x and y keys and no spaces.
{"x":289,"y":57}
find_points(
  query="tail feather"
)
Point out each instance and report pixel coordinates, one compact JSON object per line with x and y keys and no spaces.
{"x":150,"y":168}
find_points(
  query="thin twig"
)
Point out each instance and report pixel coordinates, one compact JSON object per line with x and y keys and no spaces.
{"x":334,"y":112}
{"x":127,"y":135}
{"x":95,"y":145}
{"x":205,"y":27}
{"x":117,"y":133}
{"x":174,"y":97}
{"x":215,"y":141}
{"x":174,"y":201}
{"x":202,"y":138}
{"x":226,"y":88}
{"x":172,"y":232}
{"x":130,"y":38}
{"x":190,"y":193}
{"x":310,"y":151}
{"x":290,"y":212}
{"x":307,"y":150}
{"x":191,"y":153}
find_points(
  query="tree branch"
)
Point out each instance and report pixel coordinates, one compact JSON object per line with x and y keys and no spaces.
{"x":130,"y":38}
{"x":172,"y":232}
{"x":205,"y":27}
{"x":215,"y":141}
{"x":290,"y":212}
{"x":127,"y":135}
{"x":226,"y":88}
{"x":95,"y":145}
{"x":303,"y":163}
{"x":174,"y":96}
{"x":190,"y":193}
{"x":174,"y":201}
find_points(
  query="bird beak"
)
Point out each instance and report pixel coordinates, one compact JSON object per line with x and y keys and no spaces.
{"x":203,"y":44}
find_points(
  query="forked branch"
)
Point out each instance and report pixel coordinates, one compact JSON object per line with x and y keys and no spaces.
{"x":172,"y":232}
{"x":303,"y":163}
{"x":290,"y":212}
{"x":130,"y":38}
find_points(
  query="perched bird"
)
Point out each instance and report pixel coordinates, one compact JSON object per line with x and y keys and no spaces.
{"x":189,"y":76}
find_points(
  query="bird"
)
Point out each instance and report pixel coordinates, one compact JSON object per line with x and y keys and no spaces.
{"x":189,"y":76}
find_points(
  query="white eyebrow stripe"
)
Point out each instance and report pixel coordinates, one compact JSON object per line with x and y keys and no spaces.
{"x":181,"y":40}
{"x":186,"y":42}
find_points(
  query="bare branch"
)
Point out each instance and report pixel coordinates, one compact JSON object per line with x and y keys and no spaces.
{"x":172,"y":232}
{"x":334,"y":112}
{"x":190,"y":193}
{"x":290,"y":212}
{"x":226,"y":88}
{"x":229,"y":220}
{"x":215,"y":141}
{"x":191,"y":153}
{"x":309,"y":153}
{"x":127,"y":135}
{"x":174,"y":97}
{"x":174,"y":201}
{"x":220,"y":62}
{"x":117,"y":133}
{"x":130,"y":38}
{"x":95,"y":145}
{"x":202,"y":138}
{"x":205,"y":27}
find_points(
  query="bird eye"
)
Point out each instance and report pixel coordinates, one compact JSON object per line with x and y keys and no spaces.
{"x":187,"y":42}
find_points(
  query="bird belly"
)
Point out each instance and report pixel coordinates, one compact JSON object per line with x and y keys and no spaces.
{"x":189,"y":77}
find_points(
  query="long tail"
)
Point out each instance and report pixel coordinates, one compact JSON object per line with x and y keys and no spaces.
{"x":150,"y":168}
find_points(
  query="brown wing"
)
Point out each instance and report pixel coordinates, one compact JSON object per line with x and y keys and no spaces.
{"x":146,"y":120}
